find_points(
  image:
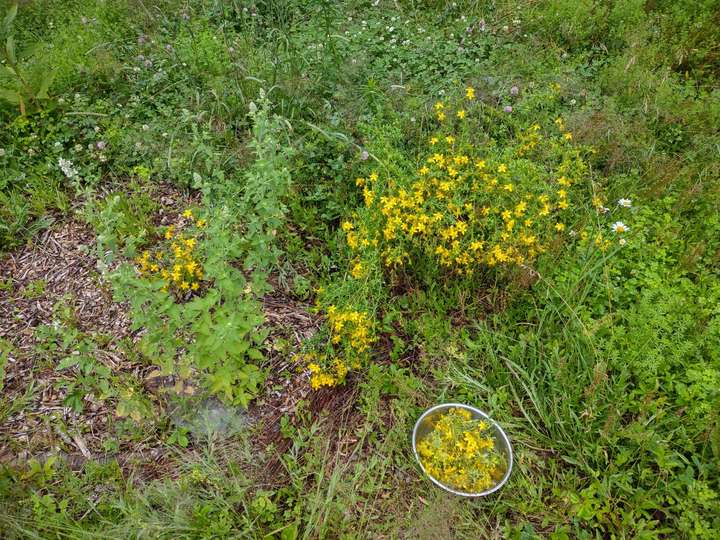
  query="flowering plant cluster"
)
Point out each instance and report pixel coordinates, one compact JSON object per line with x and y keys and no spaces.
{"x":470,"y":205}
{"x":175,"y":261}
{"x":351,"y":335}
{"x":460,"y":453}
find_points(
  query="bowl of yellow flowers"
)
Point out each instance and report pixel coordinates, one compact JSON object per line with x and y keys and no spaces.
{"x":462,"y":450}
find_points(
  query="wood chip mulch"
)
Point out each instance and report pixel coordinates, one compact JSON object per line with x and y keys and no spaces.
{"x":55,"y":272}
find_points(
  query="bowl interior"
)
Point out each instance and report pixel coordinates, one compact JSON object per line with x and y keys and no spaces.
{"x":426,"y":424}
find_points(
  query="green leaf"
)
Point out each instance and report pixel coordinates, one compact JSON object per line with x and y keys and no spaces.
{"x":290,"y":532}
{"x":221,"y":383}
{"x":10,"y":50}
{"x":10,"y":17}
{"x":74,"y":401}
{"x":68,"y":362}
{"x":11,"y":96}
{"x":45,"y":82}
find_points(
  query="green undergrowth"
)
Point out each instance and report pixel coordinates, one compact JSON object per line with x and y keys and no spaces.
{"x":598,"y":354}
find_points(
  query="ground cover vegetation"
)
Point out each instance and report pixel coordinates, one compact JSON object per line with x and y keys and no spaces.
{"x":246,"y":244}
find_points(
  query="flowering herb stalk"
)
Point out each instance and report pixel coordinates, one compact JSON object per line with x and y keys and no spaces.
{"x":175,"y":261}
{"x":351,"y":335}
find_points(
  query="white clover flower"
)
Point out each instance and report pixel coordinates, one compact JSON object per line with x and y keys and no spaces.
{"x":145,"y":127}
{"x":2,"y":152}
{"x":622,"y":242}
{"x":625,"y":203}
{"x":67,"y":167}
{"x":619,"y":227}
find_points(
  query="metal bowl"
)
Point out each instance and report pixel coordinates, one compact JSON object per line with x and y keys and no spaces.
{"x":426,"y":423}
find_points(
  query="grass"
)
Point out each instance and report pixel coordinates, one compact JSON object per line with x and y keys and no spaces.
{"x":601,"y":364}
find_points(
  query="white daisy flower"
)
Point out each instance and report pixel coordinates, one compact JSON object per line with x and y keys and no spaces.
{"x":619,"y":227}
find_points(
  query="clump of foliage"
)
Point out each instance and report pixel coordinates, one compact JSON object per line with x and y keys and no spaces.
{"x":351,"y":334}
{"x":472,"y":204}
{"x":213,"y":337}
{"x":199,"y":310}
{"x":24,"y":81}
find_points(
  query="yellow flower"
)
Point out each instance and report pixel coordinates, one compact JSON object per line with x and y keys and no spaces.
{"x":441,"y":116}
{"x":184,"y":285}
{"x":461,"y":114}
{"x":433,"y":141}
{"x":424,"y":170}
{"x":187,"y":214}
{"x":368,"y":195}
{"x":195,"y":286}
{"x":200,"y":223}
{"x":357,"y":270}
{"x":502,"y":168}
{"x":567,"y":136}
{"x":470,"y":92}
{"x":439,"y":106}
{"x":559,"y":227}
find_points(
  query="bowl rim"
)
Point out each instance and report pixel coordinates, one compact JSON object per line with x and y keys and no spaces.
{"x":499,"y":429}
